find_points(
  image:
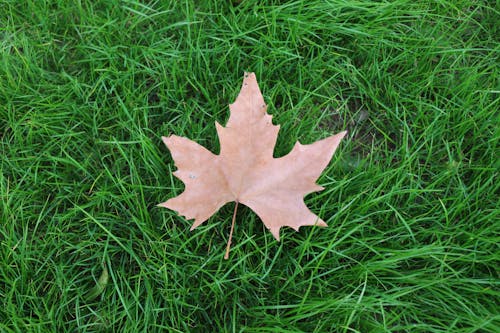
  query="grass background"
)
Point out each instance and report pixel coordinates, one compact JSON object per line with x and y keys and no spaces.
{"x":411,"y":198}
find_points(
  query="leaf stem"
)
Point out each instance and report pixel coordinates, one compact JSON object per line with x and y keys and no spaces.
{"x":228,"y":247}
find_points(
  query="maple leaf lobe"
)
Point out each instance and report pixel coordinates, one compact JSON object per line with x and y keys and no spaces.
{"x":195,"y":169}
{"x":245,"y":170}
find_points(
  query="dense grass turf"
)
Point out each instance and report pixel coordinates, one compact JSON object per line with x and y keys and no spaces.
{"x":87,"y":89}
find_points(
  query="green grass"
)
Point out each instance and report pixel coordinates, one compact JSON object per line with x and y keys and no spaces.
{"x":88,"y":88}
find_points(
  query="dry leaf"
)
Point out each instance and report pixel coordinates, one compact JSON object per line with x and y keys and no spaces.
{"x":245,"y":170}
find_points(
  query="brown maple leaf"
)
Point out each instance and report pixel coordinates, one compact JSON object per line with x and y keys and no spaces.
{"x":246,"y":172}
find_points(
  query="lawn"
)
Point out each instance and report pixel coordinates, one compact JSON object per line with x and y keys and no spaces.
{"x":411,"y":196}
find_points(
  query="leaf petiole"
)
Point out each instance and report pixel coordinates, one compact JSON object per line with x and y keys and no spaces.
{"x":228,"y":247}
